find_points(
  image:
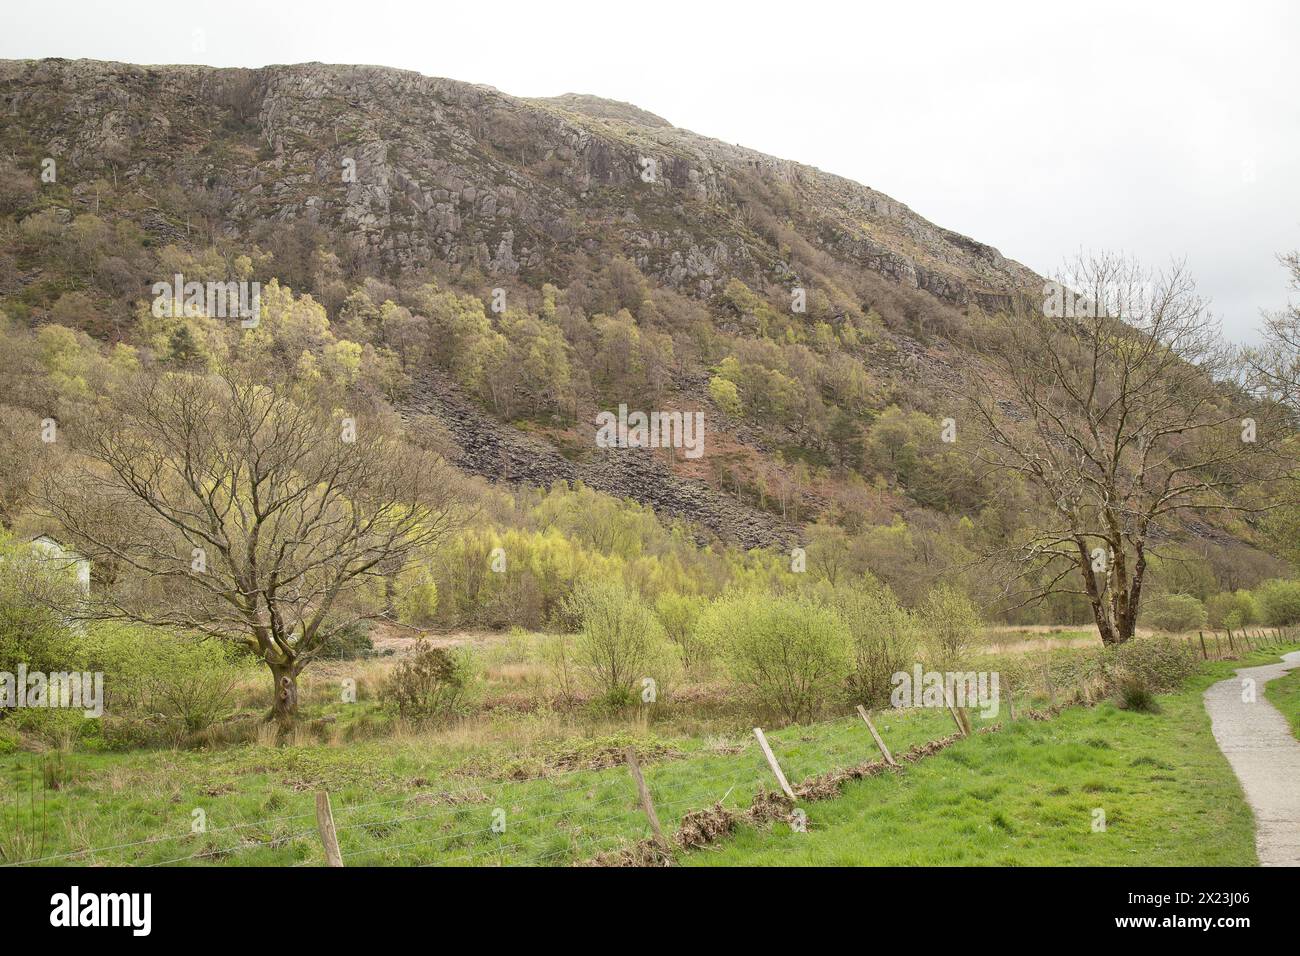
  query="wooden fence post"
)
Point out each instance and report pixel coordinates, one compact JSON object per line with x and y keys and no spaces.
{"x":771,"y":762}
{"x":1231,"y":646}
{"x":884,"y":751}
{"x":962,"y":725}
{"x":325,"y":823}
{"x":644,"y":793}
{"x":1205,"y":655}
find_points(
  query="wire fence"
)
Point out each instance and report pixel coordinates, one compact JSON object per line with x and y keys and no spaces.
{"x":564,"y":817}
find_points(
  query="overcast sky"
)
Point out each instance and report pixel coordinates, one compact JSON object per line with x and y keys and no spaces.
{"x":1162,"y":130}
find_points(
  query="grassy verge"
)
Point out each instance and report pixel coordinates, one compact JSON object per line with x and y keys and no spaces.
{"x":1029,"y":795}
{"x":1284,"y":694}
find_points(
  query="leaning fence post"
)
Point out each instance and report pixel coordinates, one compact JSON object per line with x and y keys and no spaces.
{"x":884,"y":751}
{"x":644,"y":793}
{"x":771,"y":762}
{"x":952,"y":709}
{"x":1205,"y":655}
{"x":1231,"y":646}
{"x":325,"y":823}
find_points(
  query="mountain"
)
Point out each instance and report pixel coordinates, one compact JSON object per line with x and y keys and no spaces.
{"x":467,"y":174}
{"x":643,"y":264}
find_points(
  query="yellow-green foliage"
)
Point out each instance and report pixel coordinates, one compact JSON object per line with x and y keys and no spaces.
{"x":620,"y":649}
{"x":179,"y":683}
{"x":791,"y":655}
{"x":416,"y":597}
{"x":951,"y":624}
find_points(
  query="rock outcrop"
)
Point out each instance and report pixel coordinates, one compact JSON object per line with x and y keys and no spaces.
{"x":407,"y":169}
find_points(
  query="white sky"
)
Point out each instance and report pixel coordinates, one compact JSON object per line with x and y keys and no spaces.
{"x":1162,"y":130}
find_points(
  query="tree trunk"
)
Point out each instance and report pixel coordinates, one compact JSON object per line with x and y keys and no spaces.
{"x":1105,"y":622}
{"x":284,"y":708}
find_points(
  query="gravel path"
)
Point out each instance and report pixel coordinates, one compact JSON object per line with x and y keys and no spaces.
{"x":1257,"y":741}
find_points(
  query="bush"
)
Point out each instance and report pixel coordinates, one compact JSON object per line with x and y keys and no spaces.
{"x":1279,"y":602}
{"x":1233,"y":609}
{"x":788,"y":654}
{"x":620,"y":641}
{"x":885,"y":639}
{"x":33,"y":636}
{"x":1135,"y":694}
{"x":33,"y":631}
{"x":679,"y":614}
{"x":951,"y":624}
{"x":432,"y":684}
{"x":349,"y":643}
{"x":557,"y":655}
{"x":1161,"y":663}
{"x":1174,"y":613}
{"x":183,"y":684}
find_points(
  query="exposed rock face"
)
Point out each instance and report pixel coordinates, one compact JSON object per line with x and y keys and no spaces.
{"x":408,"y":168}
{"x":499,"y":452}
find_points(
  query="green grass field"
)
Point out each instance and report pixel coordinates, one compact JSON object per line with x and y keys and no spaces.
{"x":1024,"y":795}
{"x":1027,"y":796}
{"x":405,"y":801}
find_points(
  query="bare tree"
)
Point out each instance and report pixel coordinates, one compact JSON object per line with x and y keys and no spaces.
{"x":230,"y":508}
{"x":1114,"y":398}
{"x":1274,"y":372}
{"x":1275,"y":365}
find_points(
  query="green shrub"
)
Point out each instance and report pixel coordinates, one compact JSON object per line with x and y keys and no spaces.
{"x":178,"y":684}
{"x":1279,"y":602}
{"x":885,"y":636}
{"x":1135,"y":694}
{"x":348,"y":643}
{"x":1174,"y":613}
{"x":951,"y":624}
{"x":34,"y":636}
{"x":1161,"y":663}
{"x":36,"y":599}
{"x":562,"y":668}
{"x":1233,"y":609}
{"x":620,"y":642}
{"x":789,"y":655}
{"x":434,"y":683}
{"x":679,"y":615}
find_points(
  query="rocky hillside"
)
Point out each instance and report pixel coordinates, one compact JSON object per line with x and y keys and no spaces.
{"x":384,"y":213}
{"x":406,"y":168}
{"x":405,"y":176}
